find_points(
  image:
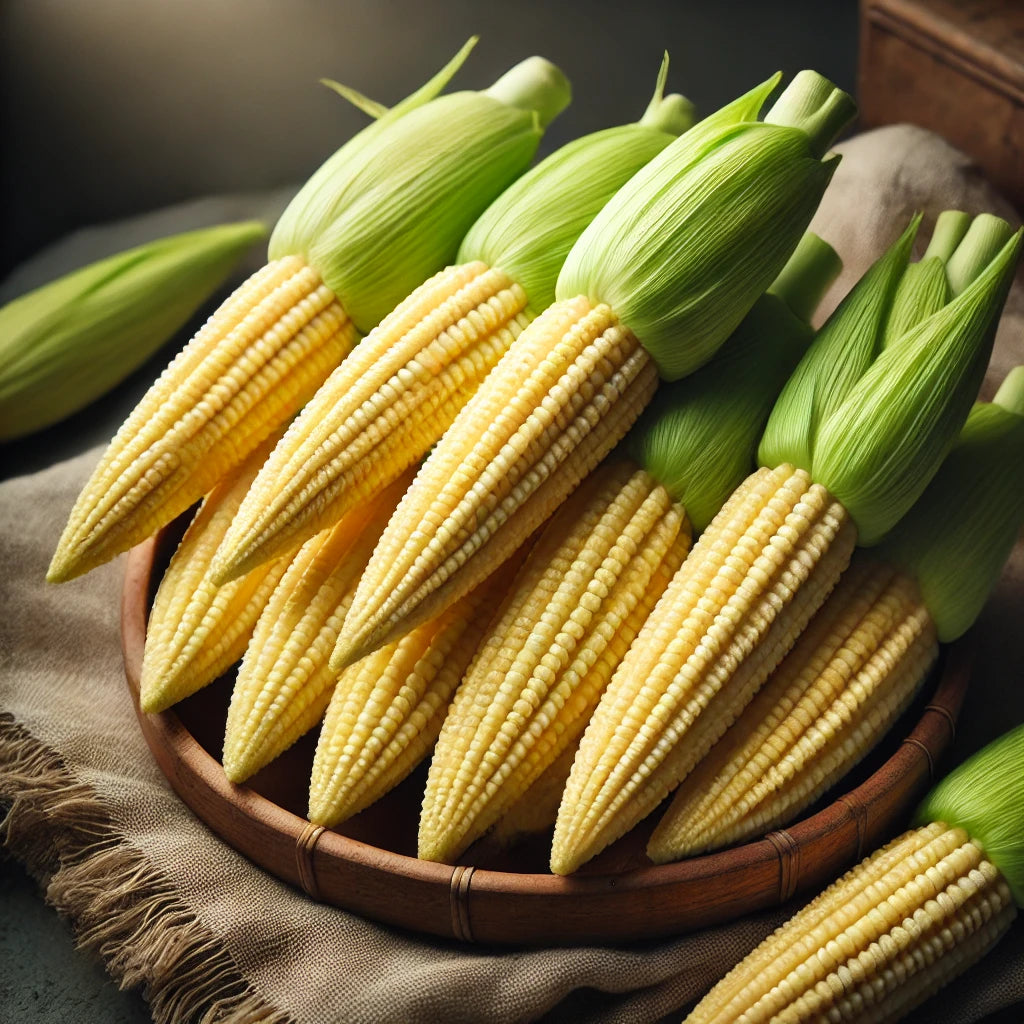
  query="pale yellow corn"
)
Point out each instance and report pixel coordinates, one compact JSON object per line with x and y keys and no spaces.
{"x":250,"y":368}
{"x":284,"y":682}
{"x":594,"y":576}
{"x":851,"y":674}
{"x":876,"y":943}
{"x":380,"y":411}
{"x":197,"y":630}
{"x":388,"y":708}
{"x":566,"y":391}
{"x":748,"y":588}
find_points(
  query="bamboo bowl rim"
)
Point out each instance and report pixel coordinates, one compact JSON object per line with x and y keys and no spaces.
{"x":474,"y":903}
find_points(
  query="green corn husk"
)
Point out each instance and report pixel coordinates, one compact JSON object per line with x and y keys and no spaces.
{"x":880,"y":448}
{"x":681,"y":253}
{"x":530,"y":228}
{"x":983,"y":797}
{"x":392,"y":205}
{"x":872,"y":422}
{"x":843,"y":349}
{"x":67,"y":343}
{"x":957,"y":537}
{"x":699,"y":436}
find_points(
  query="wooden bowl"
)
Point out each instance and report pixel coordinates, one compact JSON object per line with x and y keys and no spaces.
{"x":368,"y":864}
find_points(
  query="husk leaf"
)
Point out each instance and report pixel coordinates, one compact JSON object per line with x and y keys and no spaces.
{"x":530,"y":228}
{"x":68,"y":342}
{"x":978,"y":488}
{"x":699,"y":436}
{"x":983,"y":796}
{"x":878,"y":450}
{"x":844,"y":348}
{"x":394,"y":209}
{"x":681,"y":252}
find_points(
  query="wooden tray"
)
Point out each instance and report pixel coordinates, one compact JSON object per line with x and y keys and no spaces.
{"x":368,"y":865}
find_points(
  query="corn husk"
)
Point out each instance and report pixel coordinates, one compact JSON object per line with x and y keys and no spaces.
{"x":982,"y":796}
{"x":699,"y":436}
{"x":530,"y":228}
{"x":392,"y":205}
{"x":958,"y":535}
{"x":67,"y":343}
{"x":681,"y":253}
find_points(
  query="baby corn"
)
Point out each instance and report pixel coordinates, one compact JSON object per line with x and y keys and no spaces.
{"x":904,"y":922}
{"x":381,"y":215}
{"x":395,"y":395}
{"x":600,"y":566}
{"x":771,"y":556}
{"x":284,"y":682}
{"x":700,"y":251}
{"x":867,"y":652}
{"x":197,"y":630}
{"x":387,"y":709}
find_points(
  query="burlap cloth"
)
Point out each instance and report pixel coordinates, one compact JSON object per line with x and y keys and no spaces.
{"x":168,"y":906}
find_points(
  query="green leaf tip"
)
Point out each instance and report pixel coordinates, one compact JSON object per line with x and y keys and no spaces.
{"x":698,"y":438}
{"x":70,"y":341}
{"x":391,"y":206}
{"x":1010,"y":395}
{"x":983,"y":797}
{"x":673,"y":113}
{"x":685,"y":248}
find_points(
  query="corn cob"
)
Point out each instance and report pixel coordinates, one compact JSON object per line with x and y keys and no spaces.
{"x":903,"y":922}
{"x":575,"y":380}
{"x":284,"y":682}
{"x":197,"y":630}
{"x":387,"y":709}
{"x":381,"y":215}
{"x":602,"y":563}
{"x":868,"y":651}
{"x":389,"y":402}
{"x":771,"y":556}
{"x":68,"y":342}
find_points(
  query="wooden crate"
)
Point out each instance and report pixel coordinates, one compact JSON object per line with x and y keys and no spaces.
{"x":955,"y":67}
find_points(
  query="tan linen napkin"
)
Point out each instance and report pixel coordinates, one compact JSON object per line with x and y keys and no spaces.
{"x":170,"y":907}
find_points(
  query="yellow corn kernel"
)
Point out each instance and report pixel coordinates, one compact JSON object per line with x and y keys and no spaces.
{"x":388,"y":708}
{"x":593,"y":577}
{"x":749,"y":586}
{"x":853,"y":671}
{"x":877,"y":942}
{"x":380,"y":411}
{"x":284,"y":682}
{"x":250,"y":368}
{"x":197,"y":630}
{"x":566,"y":391}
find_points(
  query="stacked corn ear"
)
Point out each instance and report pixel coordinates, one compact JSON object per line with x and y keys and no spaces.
{"x":601,"y":564}
{"x":284,"y":682}
{"x":906,"y":920}
{"x":868,"y":651}
{"x":395,"y":395}
{"x":875,"y":422}
{"x":197,"y":629}
{"x":659,"y":279}
{"x":384,"y":213}
{"x":70,"y":341}
{"x":387,"y":709}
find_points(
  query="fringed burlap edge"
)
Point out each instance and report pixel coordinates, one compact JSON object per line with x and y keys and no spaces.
{"x":119,"y":906}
